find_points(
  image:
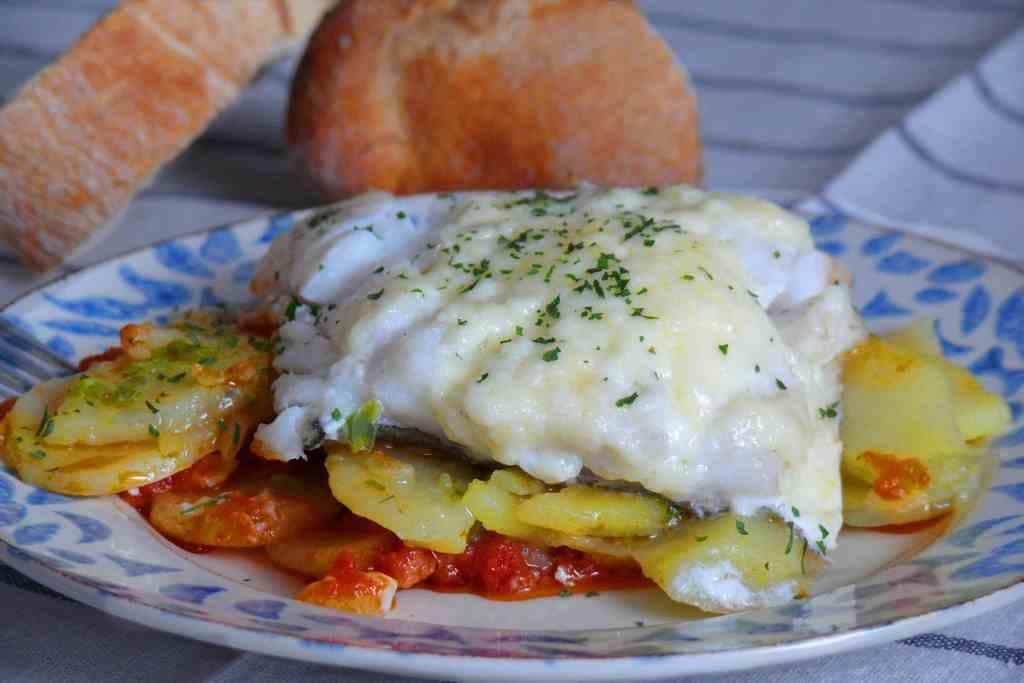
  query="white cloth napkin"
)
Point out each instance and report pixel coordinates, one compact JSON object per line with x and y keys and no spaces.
{"x":906,"y":112}
{"x":953,"y":169}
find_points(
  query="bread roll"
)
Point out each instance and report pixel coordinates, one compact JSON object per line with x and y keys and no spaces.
{"x":432,"y":95}
{"x":82,"y":137}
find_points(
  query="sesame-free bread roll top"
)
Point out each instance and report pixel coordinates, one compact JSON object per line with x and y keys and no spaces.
{"x":432,"y":95}
{"x":83,"y":136}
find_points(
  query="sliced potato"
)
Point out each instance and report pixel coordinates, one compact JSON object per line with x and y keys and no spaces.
{"x":760,"y":552}
{"x":980,"y":414}
{"x":498,"y":510}
{"x":314,"y":553}
{"x":514,"y":480}
{"x":895,"y":402}
{"x":593,"y":511}
{"x":407,"y":490}
{"x":134,"y":420}
{"x":259,"y":507}
{"x":951,"y":482}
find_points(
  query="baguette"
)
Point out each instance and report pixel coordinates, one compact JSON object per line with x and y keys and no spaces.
{"x":89,"y":131}
{"x":415,"y":96}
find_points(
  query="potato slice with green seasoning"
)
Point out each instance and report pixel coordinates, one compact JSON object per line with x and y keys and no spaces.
{"x":592,"y":511}
{"x":746,"y":561}
{"x":175,"y":395}
{"x":497,"y":509}
{"x":407,"y":490}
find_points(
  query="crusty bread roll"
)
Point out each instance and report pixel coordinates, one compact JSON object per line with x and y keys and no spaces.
{"x":432,"y":95}
{"x":82,"y":137}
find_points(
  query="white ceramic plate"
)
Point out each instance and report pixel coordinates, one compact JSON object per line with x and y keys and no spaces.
{"x":879,"y":587}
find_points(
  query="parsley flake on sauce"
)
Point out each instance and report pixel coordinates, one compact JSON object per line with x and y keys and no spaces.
{"x":552,"y":355}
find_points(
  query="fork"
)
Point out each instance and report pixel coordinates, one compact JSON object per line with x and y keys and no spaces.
{"x":25,"y":361}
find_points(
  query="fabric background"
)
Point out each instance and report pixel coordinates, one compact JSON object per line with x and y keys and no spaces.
{"x":909,"y":113}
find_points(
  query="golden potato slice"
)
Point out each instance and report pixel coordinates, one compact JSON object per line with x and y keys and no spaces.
{"x":593,"y":511}
{"x":761,"y":552}
{"x":514,"y":480}
{"x":951,"y":482}
{"x":980,"y":414}
{"x":498,"y":510}
{"x":407,"y":490}
{"x":898,"y":403}
{"x":134,"y":420}
{"x":257,"y":508}
{"x":313,"y":554}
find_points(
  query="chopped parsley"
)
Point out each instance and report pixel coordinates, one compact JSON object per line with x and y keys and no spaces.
{"x":626,"y":400}
{"x":483,"y":377}
{"x":724,"y":349}
{"x":38,"y":454}
{"x":460,"y":322}
{"x":361,"y":426}
{"x":552,"y":355}
{"x":780,"y":384}
{"x":376,"y":295}
{"x":789,"y":543}
{"x":639,"y":313}
{"x":293,"y":306}
{"x":336,"y":415}
{"x":742,"y":528}
{"x":828,"y":411}
{"x":701,"y":539}
{"x":154,"y":432}
{"x":45,"y":427}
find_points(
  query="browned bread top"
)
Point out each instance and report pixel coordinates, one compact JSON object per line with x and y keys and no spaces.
{"x":432,"y":95}
{"x":86,"y":133}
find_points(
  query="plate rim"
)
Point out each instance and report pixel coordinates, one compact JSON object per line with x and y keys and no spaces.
{"x":513,"y":668}
{"x":481,"y":668}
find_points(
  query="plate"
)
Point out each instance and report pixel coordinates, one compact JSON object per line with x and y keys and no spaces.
{"x":878,"y":588}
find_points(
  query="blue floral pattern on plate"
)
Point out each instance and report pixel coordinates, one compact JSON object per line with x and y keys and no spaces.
{"x":92,"y":550}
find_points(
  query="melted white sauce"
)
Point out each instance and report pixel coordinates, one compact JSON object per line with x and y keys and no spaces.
{"x":683,"y":340}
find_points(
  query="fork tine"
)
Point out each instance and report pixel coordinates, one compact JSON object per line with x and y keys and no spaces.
{"x":35,"y":349}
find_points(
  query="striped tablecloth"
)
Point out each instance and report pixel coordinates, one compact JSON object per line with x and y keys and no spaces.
{"x":906,"y":112}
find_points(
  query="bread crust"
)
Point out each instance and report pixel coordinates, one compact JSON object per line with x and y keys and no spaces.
{"x":432,"y":95}
{"x":83,"y":136}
